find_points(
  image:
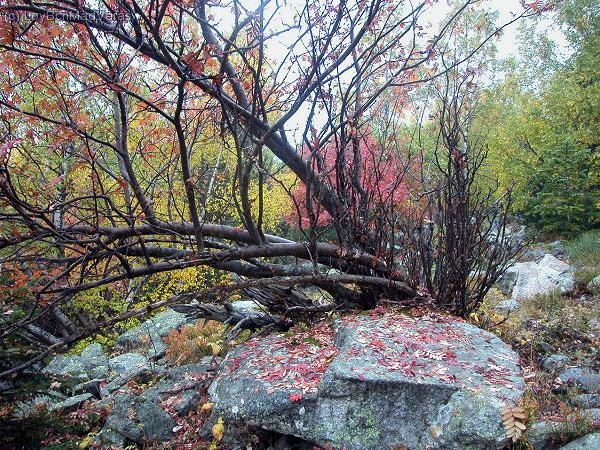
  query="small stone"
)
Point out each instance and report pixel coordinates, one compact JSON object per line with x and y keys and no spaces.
{"x":92,"y":351}
{"x":594,"y":285}
{"x":95,"y":387}
{"x":28,"y":408}
{"x":589,"y":442}
{"x":128,"y":362}
{"x":557,"y":249}
{"x":110,"y":438}
{"x":507,"y":282}
{"x":594,"y":414}
{"x":71,"y":404}
{"x":506,"y":306}
{"x":139,"y":419}
{"x":147,"y":338}
{"x":543,"y":435}
{"x":587,"y":401}
{"x":126,"y":367}
{"x":532,"y":255}
{"x":582,"y":378}
{"x":190,"y":370}
{"x":94,"y":361}
{"x":66,"y":367}
{"x":555,"y":362}
{"x":189,"y":400}
{"x":543,"y":277}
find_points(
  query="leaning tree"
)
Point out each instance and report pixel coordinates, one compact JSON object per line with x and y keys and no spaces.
{"x":148,"y":136}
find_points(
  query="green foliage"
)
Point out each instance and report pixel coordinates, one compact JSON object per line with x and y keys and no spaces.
{"x":561,"y":196}
{"x":43,"y":428}
{"x":544,"y":141}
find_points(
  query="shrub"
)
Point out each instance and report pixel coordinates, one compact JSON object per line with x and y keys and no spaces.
{"x":193,"y":342}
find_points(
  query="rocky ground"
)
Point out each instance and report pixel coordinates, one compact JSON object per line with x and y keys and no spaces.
{"x":386,"y":379}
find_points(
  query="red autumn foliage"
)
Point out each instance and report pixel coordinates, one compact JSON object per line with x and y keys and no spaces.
{"x":372,"y":175}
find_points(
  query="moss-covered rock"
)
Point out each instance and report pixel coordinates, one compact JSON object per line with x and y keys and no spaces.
{"x":374,"y":381}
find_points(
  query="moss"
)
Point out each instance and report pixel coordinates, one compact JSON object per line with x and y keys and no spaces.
{"x":362,"y":428}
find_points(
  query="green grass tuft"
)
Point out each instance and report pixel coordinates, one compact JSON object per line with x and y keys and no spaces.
{"x":584,"y":253}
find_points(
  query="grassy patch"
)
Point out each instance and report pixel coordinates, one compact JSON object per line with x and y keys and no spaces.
{"x":546,"y":324}
{"x":541,"y":326}
{"x":584,"y":253}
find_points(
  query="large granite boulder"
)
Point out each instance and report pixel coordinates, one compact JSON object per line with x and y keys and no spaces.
{"x":527,"y":279}
{"x":150,"y":416}
{"x":147,"y":337}
{"x":126,"y":367}
{"x":139,"y":419}
{"x":91,"y":363}
{"x":375,"y":381}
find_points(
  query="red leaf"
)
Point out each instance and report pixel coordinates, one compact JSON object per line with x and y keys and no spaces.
{"x":295,"y":397}
{"x":377,"y":344}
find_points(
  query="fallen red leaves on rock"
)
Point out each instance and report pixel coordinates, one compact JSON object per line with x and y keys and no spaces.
{"x":429,"y":347}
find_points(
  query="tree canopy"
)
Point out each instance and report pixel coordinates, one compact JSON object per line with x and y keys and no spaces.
{"x":147,"y":137}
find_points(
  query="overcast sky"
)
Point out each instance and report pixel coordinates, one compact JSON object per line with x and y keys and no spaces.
{"x":507,"y":44}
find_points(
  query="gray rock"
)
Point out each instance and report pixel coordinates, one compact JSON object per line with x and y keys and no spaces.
{"x":186,"y":402}
{"x":594,"y":414}
{"x":128,"y":363}
{"x":191,"y":370}
{"x":248,"y":307}
{"x":139,"y":419}
{"x":545,"y":434}
{"x":555,"y":362}
{"x":429,"y":382}
{"x":66,"y":367}
{"x":92,"y":351}
{"x":6,"y":386}
{"x":532,"y":255}
{"x":158,"y":326}
{"x":582,"y":378}
{"x":594,"y":285}
{"x":71,"y":403}
{"x":587,"y":401}
{"x":29,"y":408}
{"x":507,"y":282}
{"x":179,"y":401}
{"x":181,"y":387}
{"x":542,"y":277}
{"x":589,"y":442}
{"x":147,"y":337}
{"x":506,"y":306}
{"x":91,"y":363}
{"x":95,"y":361}
{"x":96,"y":387}
{"x":126,"y":367}
{"x":557,"y":249}
{"x":465,"y":412}
{"x":110,"y":438}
